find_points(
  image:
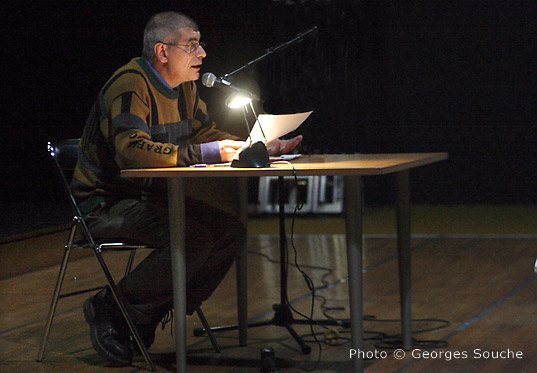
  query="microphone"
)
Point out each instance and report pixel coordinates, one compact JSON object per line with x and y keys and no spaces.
{"x":208,"y":80}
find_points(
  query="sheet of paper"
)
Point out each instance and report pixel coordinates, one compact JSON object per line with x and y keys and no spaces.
{"x":285,"y":157}
{"x":275,"y":126}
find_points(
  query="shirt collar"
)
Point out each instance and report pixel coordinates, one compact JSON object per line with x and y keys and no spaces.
{"x":165,"y":83}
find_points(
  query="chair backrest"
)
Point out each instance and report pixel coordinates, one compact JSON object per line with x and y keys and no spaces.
{"x":64,"y":154}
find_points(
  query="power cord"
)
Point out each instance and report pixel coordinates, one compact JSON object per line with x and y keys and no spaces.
{"x":336,"y":338}
{"x":331,"y":335}
{"x":390,"y":342}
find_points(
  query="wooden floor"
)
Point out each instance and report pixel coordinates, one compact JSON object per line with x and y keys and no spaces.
{"x":474,"y":309}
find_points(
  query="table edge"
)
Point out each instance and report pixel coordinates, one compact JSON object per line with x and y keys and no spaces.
{"x":282,"y":169}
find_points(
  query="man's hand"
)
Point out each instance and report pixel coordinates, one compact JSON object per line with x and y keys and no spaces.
{"x":228,"y":148}
{"x":278,"y":147}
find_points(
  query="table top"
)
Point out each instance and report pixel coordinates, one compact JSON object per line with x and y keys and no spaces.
{"x":307,"y":165}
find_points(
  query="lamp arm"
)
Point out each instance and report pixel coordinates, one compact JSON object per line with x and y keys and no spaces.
{"x":256,"y":117}
{"x":247,"y":125}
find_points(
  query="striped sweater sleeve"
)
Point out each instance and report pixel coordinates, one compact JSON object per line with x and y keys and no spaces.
{"x":130,"y":138}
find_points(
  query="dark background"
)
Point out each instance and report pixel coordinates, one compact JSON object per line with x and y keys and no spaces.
{"x":381,"y":76}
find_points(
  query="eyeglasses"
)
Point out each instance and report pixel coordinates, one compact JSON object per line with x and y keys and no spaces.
{"x":191,"y":47}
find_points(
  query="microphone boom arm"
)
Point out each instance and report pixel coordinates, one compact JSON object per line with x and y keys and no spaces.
{"x":275,"y":49}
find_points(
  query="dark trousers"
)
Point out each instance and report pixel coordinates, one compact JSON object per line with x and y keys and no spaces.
{"x":213,"y":239}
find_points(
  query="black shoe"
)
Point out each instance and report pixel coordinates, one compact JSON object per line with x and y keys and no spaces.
{"x":109,"y":335}
{"x":162,"y":315}
{"x":148,"y":331}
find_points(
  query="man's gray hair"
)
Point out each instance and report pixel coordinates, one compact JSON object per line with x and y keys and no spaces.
{"x":161,"y":27}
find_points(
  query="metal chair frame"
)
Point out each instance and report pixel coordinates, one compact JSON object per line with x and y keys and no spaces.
{"x":64,"y":155}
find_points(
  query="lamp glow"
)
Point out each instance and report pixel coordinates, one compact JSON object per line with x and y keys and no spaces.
{"x":238,"y":100}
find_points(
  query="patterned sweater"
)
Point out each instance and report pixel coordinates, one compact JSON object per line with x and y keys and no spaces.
{"x":138,"y":122}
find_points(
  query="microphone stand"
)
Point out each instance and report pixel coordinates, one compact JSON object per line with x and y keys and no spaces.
{"x":283,"y":315}
{"x":272,"y":50}
{"x":282,"y":311}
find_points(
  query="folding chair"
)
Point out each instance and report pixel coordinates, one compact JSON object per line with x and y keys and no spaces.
{"x":64,"y":155}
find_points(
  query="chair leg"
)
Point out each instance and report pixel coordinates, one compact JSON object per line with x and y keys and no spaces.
{"x":130,"y":262}
{"x":207,"y":328}
{"x":123,"y":309}
{"x":56,"y":294}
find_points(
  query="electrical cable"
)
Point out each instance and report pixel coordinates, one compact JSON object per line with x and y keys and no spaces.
{"x":390,"y":342}
{"x":385,"y":341}
{"x":389,"y":339}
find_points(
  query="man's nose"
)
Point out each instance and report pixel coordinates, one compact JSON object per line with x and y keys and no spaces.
{"x":201,"y":52}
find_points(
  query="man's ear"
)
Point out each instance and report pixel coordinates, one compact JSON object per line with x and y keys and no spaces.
{"x":161,"y":52}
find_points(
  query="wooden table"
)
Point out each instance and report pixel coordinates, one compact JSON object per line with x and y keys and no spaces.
{"x":352,"y":167}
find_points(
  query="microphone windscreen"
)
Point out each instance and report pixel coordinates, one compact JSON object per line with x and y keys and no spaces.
{"x":208,"y":79}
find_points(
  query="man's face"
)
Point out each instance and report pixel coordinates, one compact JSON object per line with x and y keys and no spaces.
{"x":185,"y":56}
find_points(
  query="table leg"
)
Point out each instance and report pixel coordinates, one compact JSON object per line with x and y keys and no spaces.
{"x":241,"y":267}
{"x":403,"y":246}
{"x":176,"y":207}
{"x":353,"y":229}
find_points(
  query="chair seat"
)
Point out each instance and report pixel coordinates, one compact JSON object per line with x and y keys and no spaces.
{"x":109,"y":244}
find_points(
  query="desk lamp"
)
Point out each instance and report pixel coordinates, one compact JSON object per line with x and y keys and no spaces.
{"x":256,"y":154}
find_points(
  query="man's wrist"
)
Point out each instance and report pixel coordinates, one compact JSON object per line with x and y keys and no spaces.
{"x":210,"y":152}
